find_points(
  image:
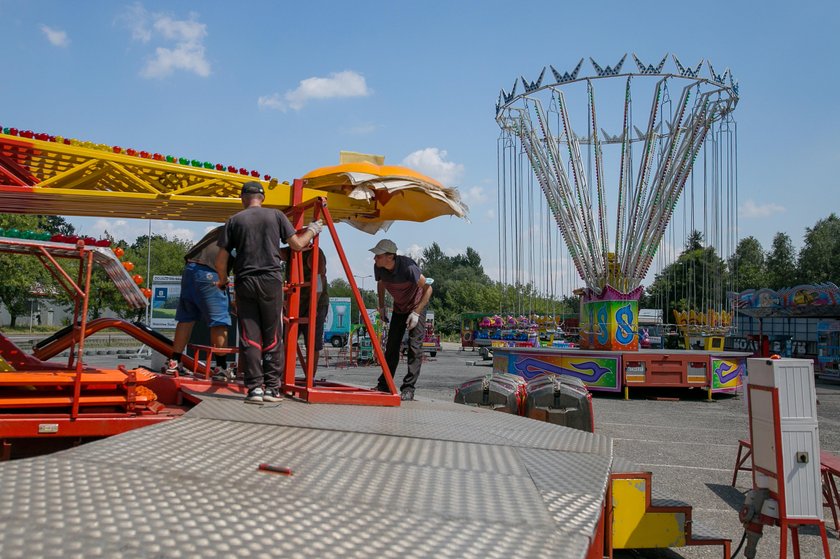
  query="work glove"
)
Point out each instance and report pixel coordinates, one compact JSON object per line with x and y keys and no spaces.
{"x":412,"y":320}
{"x":315,"y":227}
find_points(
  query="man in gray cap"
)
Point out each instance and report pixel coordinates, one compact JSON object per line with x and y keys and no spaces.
{"x":400,"y":276}
{"x":255,"y":234}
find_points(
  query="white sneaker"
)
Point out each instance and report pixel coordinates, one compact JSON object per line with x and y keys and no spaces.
{"x":272,"y":395}
{"x":173,"y":367}
{"x":228,"y":374}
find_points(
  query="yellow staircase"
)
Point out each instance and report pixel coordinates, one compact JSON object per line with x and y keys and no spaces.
{"x":639,"y":521}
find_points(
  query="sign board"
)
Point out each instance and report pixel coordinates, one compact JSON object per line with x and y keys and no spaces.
{"x":650,"y":316}
{"x":166,"y":290}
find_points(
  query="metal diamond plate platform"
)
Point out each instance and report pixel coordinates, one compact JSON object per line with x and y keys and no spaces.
{"x":426,"y":479}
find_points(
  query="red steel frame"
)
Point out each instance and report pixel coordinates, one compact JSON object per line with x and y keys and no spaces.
{"x":75,"y":423}
{"x":307,"y":388}
{"x":80,"y":302}
{"x":783,"y":521}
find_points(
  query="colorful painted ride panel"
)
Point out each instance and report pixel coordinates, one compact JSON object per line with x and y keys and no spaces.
{"x":610,"y":325}
{"x":820,"y":300}
{"x":828,"y":348}
{"x":598,"y":372}
{"x":718,"y":372}
{"x":727,"y":372}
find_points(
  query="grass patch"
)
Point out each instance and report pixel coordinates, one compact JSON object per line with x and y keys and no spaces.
{"x":163,"y":313}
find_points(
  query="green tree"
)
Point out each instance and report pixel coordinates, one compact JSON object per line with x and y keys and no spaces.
{"x":747,"y":265}
{"x":461,"y":285}
{"x":781,"y":263}
{"x":167,"y":255}
{"x":694,"y":241}
{"x":23,"y":274}
{"x":20,"y":276}
{"x":819,"y":259}
{"x":57,"y":225}
{"x":697,"y":280}
{"x":339,"y":287}
{"x":167,"y":259}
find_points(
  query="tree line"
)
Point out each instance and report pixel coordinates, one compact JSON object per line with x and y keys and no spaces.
{"x":25,"y":277}
{"x":698,"y":275}
{"x":460,"y":283}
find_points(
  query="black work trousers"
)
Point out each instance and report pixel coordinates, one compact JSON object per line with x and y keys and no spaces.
{"x":259,"y":305}
{"x":396,"y":331}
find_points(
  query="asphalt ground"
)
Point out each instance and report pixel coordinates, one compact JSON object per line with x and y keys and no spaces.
{"x":688,"y":443}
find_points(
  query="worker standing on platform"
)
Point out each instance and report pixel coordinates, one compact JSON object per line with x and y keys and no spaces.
{"x":400,"y":276}
{"x":201,"y":299}
{"x":255,"y":233}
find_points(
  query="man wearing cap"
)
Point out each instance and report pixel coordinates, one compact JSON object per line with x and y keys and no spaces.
{"x":400,"y":276}
{"x":255,"y":234}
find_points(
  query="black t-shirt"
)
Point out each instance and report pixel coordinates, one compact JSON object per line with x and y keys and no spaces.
{"x":256,"y":233}
{"x":401,"y":283}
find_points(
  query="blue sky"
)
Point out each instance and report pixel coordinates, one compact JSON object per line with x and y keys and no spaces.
{"x":283,"y":87}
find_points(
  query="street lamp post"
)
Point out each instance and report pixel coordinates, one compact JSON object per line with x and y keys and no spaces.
{"x":363,"y":278}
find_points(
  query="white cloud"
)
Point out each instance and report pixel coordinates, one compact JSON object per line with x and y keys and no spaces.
{"x":56,"y":37}
{"x":129,"y":230}
{"x":273,"y":101}
{"x":136,"y":19}
{"x":415,"y":252}
{"x":750,"y":209}
{"x":473,"y":196}
{"x":180,"y":31}
{"x":183,"y":57}
{"x":432,"y":162}
{"x":337,"y":84}
{"x":183,"y":40}
{"x":172,"y":230}
{"x":187,"y":54}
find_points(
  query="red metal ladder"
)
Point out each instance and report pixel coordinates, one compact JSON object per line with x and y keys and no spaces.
{"x":307,"y":388}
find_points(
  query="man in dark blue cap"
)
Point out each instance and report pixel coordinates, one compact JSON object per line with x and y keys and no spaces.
{"x":255,"y":234}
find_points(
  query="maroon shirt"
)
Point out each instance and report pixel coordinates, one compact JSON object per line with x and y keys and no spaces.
{"x":204,"y":251}
{"x":401,"y":283}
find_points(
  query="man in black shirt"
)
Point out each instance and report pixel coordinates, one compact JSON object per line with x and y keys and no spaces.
{"x":400,"y":276}
{"x":255,"y":234}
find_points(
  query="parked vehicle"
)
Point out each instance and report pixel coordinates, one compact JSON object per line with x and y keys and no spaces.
{"x":337,"y":324}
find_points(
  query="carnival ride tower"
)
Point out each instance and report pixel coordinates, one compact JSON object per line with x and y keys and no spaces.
{"x":675,"y":132}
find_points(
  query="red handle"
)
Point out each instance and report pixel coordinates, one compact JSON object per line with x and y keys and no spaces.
{"x":275,"y":469}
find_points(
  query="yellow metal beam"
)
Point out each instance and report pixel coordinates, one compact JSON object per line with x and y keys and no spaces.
{"x":92,"y":180}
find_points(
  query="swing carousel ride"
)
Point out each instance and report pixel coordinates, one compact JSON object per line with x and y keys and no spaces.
{"x":670,"y":169}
